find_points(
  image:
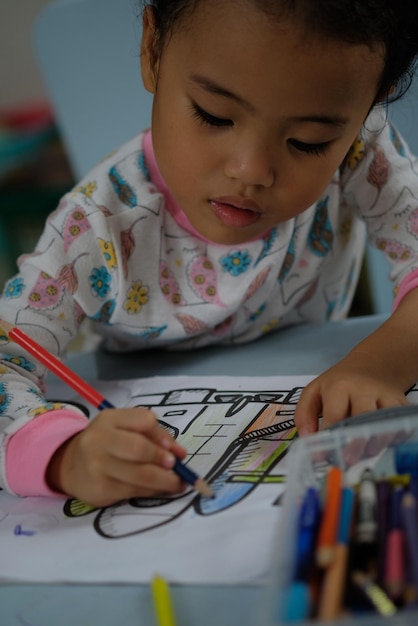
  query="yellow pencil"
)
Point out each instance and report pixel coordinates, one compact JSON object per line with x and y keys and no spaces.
{"x":162,"y":602}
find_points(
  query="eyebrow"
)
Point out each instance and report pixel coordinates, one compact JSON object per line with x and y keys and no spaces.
{"x":212,"y":87}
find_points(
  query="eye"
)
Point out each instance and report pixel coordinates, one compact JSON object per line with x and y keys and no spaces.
{"x":317,"y":149}
{"x":210,"y":120}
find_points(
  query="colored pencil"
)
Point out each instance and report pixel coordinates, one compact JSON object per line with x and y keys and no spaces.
{"x":297,"y":601}
{"x":330,"y":605}
{"x":162,"y":602}
{"x":410,"y":523}
{"x":88,"y":393}
{"x":383,"y":500}
{"x":394,"y":580}
{"x":329,"y":524}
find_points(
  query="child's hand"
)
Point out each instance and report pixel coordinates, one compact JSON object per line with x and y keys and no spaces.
{"x":355,"y":385}
{"x":122,"y":453}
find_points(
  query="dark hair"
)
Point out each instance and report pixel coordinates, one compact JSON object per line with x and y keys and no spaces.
{"x":391,"y":23}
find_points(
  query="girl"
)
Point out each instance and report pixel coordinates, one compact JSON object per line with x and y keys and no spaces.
{"x":242,"y":210}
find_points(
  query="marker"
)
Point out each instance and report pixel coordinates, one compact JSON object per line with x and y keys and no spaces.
{"x":162,"y":602}
{"x":378,"y":598}
{"x":330,"y":604}
{"x":395,"y":561}
{"x":365,"y":539}
{"x":409,"y":518}
{"x":383,"y":488}
{"x":89,"y":393}
{"x":329,"y":523}
{"x":366,"y":527}
{"x":297,"y":602}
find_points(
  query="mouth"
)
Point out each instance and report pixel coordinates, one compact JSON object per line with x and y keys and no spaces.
{"x":236,"y":212}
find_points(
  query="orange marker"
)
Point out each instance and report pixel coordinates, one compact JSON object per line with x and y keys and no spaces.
{"x":330,"y":605}
{"x":327,"y":535}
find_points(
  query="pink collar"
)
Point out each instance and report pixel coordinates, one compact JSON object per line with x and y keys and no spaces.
{"x":172,"y":206}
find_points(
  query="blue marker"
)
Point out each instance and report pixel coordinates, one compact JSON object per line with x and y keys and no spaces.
{"x":297,"y":603}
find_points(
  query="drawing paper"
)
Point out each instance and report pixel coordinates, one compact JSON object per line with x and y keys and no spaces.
{"x":238,"y":432}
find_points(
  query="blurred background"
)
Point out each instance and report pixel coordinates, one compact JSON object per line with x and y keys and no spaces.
{"x":34,"y":171}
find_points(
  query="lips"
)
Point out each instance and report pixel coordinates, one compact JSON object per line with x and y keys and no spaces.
{"x":235,"y":211}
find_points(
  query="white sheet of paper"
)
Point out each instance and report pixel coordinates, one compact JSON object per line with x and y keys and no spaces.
{"x":237,"y":432}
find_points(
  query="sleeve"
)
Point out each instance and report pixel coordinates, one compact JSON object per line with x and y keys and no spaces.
{"x":63,"y":281}
{"x":29,"y":450}
{"x":380,"y":182}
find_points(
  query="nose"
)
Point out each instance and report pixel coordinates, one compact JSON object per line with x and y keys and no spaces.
{"x":252,"y":165}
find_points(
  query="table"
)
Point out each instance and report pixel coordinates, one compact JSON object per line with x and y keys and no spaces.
{"x":307,"y":349}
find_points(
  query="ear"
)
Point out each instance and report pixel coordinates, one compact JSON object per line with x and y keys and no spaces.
{"x":385,"y":95}
{"x":149,"y":55}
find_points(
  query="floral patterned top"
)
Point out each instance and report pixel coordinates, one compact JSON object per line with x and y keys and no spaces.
{"x":118,"y":251}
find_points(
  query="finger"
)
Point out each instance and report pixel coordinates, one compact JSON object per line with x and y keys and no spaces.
{"x":112,"y":490}
{"x":140,"y":476}
{"x":386,"y":402}
{"x":308,"y":410}
{"x":142,"y":420}
{"x":336,"y":407}
{"x":136,"y":447}
{"x":362,"y":403}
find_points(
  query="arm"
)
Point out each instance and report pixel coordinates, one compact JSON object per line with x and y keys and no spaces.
{"x":375,"y":374}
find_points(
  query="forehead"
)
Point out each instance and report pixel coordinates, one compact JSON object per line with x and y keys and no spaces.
{"x":251,"y":50}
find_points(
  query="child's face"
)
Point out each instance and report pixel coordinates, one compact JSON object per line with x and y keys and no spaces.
{"x":251,"y":118}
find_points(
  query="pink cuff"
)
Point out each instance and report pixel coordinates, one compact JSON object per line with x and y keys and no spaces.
{"x":29,"y":450}
{"x":409,"y":283}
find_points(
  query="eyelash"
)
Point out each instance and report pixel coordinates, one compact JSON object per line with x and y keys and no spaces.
{"x":205,"y":118}
{"x":315,"y":149}
{"x":209,"y":120}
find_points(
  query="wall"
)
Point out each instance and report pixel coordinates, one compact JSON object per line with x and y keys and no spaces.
{"x":19,"y":77}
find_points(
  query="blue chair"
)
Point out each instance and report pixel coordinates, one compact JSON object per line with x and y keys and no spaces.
{"x":88,"y":53}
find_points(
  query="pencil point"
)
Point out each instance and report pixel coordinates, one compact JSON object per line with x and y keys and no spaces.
{"x":202,"y":487}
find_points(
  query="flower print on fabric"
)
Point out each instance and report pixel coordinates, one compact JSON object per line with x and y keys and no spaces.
{"x":105,"y":312}
{"x":127,"y":245}
{"x":14,"y":288}
{"x":256,"y":314}
{"x":192,"y":325}
{"x":46,"y":293}
{"x":143,"y":166}
{"x":87,"y":190}
{"x":67,"y":276}
{"x":79,"y":314}
{"x":169,"y":285}
{"x":379,"y":171}
{"x":267,"y":241}
{"x":257,"y":283}
{"x":75,"y":225}
{"x":288,"y":260}
{"x":20,"y":361}
{"x":100,"y":281}
{"x":224,"y":327}
{"x":108,"y":250}
{"x":321,"y":237}
{"x":203,"y":279}
{"x":45,"y":408}
{"x":345,"y":231}
{"x":395,"y":250}
{"x":236,"y":263}
{"x":356,"y":154}
{"x":122,"y":189}
{"x":136,"y":297}
{"x":4,"y":399}
{"x":412,"y":223}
